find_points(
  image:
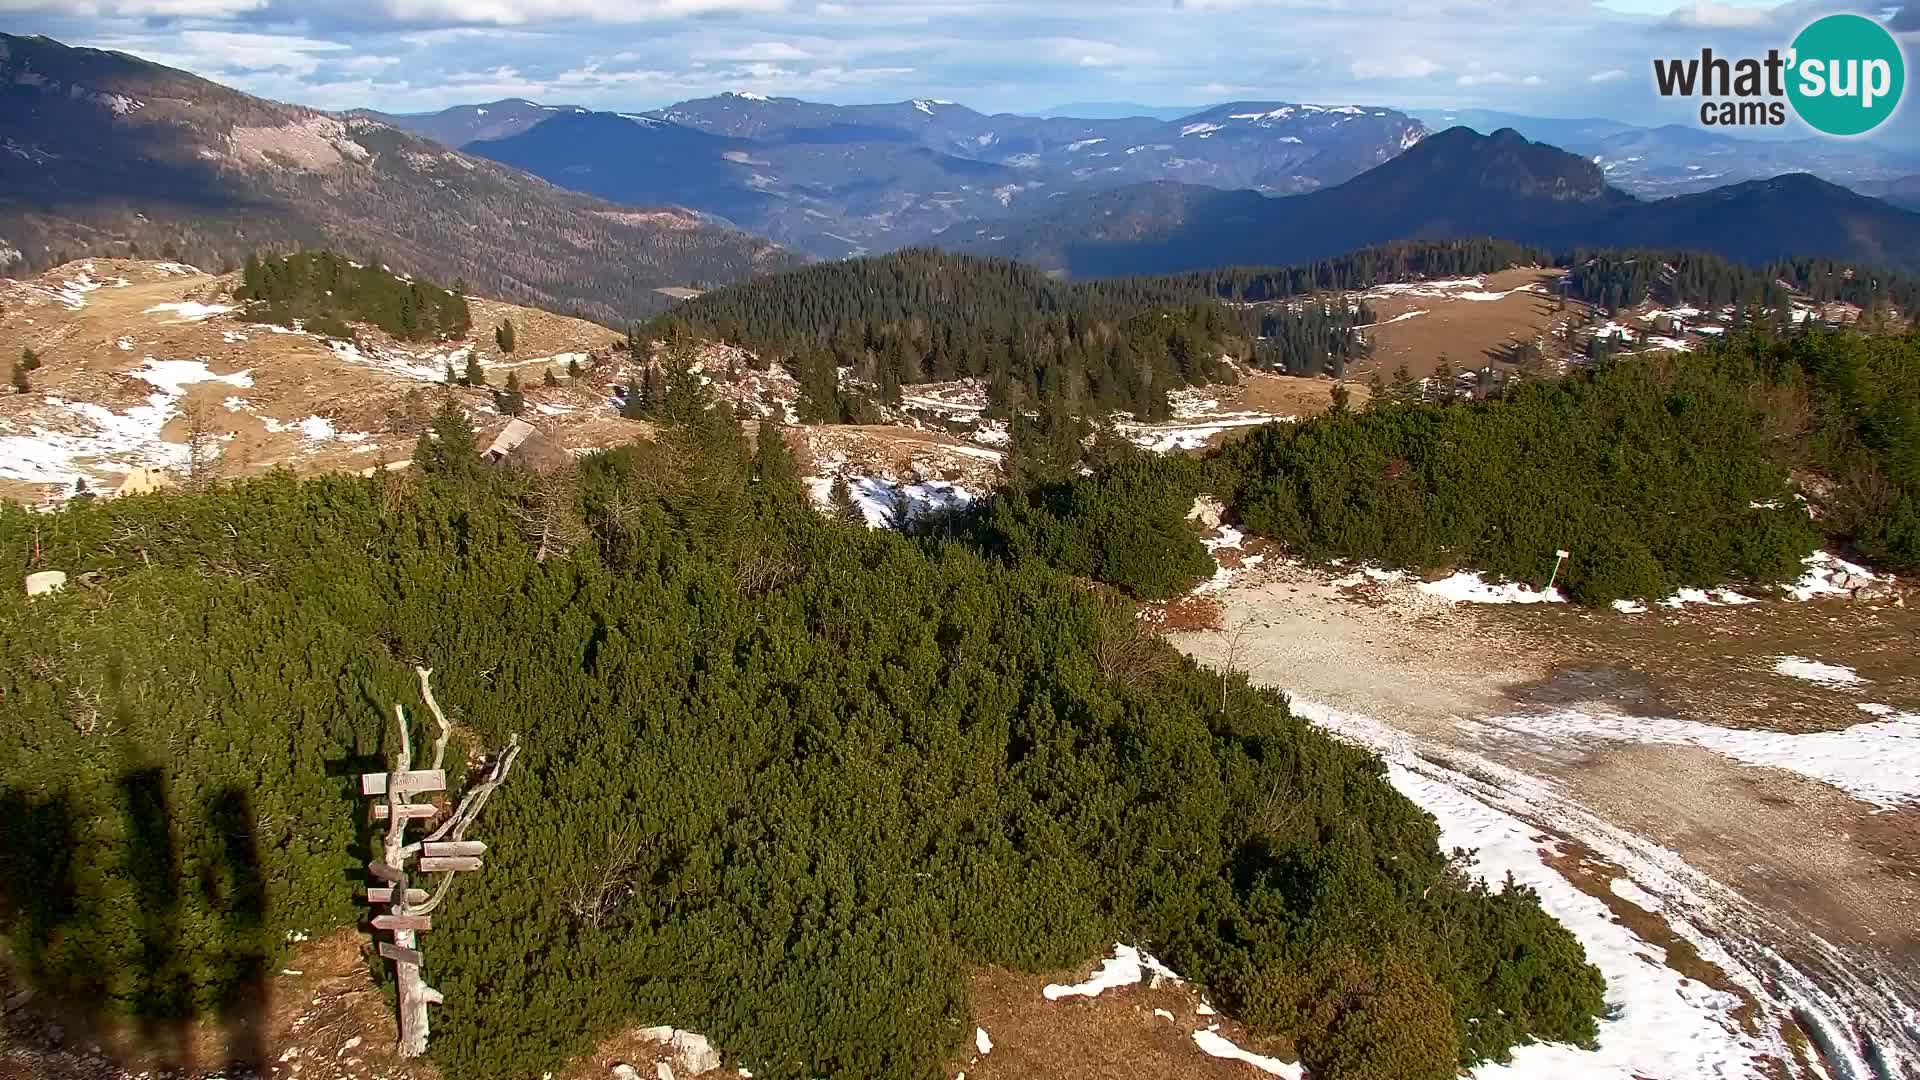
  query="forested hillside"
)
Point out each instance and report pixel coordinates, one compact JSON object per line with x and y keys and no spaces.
{"x":1616,"y":279}
{"x":923,"y":316}
{"x":784,"y":782}
{"x":325,"y":291}
{"x":1655,"y":473}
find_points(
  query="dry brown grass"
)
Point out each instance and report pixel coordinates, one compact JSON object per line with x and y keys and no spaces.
{"x":1287,"y":395}
{"x":1469,"y":333}
{"x":293,"y":376}
{"x":1116,"y":1036}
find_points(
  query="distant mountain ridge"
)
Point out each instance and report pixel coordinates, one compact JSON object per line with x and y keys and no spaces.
{"x":1457,"y":183}
{"x":457,"y":126}
{"x":1678,"y":159}
{"x":835,"y":180}
{"x":102,"y":153}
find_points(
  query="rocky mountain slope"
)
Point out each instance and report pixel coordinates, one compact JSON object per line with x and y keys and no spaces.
{"x":105,"y":154}
{"x":837,"y":180}
{"x":1457,"y":183}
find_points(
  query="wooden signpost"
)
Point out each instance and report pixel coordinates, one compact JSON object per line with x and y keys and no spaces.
{"x":444,"y":851}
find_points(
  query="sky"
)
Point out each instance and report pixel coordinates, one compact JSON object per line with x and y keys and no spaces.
{"x":1535,"y":57}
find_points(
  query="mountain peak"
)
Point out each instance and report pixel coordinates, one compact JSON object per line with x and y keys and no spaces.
{"x":1505,"y":162}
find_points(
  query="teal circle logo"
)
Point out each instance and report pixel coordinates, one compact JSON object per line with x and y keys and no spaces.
{"x":1847,"y":74}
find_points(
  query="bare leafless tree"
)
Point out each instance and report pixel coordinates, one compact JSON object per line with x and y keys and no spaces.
{"x":609,"y":881}
{"x":203,"y":445}
{"x":549,"y":514}
{"x":1231,"y":663}
{"x":1127,"y":650}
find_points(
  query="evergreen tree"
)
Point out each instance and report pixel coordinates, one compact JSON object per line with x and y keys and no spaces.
{"x":773,"y":462}
{"x":548,"y":378}
{"x":448,"y":449}
{"x":573,"y":368}
{"x":844,"y":507}
{"x":503,"y":336}
{"x":511,"y":401}
{"x":21,"y":384}
{"x":475,"y":376}
{"x":29,"y":359}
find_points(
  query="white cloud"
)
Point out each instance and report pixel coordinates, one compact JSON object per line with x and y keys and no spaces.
{"x":513,"y":12}
{"x":1393,"y":67}
{"x":1498,"y":78}
{"x":1607,"y":76}
{"x":1708,"y":15}
{"x":138,"y":9}
{"x":775,"y":51}
{"x":221,"y":52}
{"x":1092,"y":53}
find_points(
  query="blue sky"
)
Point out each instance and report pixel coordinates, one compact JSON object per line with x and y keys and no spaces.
{"x":1544,"y":57}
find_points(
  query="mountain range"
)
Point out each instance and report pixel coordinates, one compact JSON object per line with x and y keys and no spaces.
{"x":1675,"y":159}
{"x":595,"y":212}
{"x":102,"y":153}
{"x":835,"y":180}
{"x":1455,"y":183}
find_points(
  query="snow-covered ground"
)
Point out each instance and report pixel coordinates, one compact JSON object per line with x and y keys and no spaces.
{"x":1660,"y":1024}
{"x":1467,"y":587}
{"x":1128,"y":966}
{"x":1815,"y":671}
{"x":1877,"y":762}
{"x":189,"y":310}
{"x":880,"y":496}
{"x":76,"y":439}
{"x":1193,"y":435}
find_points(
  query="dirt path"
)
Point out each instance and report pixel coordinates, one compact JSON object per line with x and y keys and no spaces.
{"x":1812,"y":890}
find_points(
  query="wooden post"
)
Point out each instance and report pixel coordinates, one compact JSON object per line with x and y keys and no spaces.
{"x":446,"y":852}
{"x":1558,"y":558}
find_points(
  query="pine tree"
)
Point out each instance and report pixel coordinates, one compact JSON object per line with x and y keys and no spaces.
{"x":29,"y":359}
{"x":451,"y":377}
{"x":503,"y":336}
{"x":511,"y":401}
{"x":844,"y":507}
{"x":773,"y":464}
{"x":640,"y":400}
{"x":476,"y":376}
{"x":20,"y":383}
{"x":448,"y":449}
{"x":573,"y":368}
{"x":548,"y":378}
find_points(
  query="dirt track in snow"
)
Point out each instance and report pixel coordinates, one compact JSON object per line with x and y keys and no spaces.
{"x":1776,"y":862}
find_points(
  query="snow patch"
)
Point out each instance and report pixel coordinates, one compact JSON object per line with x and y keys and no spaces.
{"x":1814,"y":671}
{"x":1876,"y":762}
{"x":189,"y":310}
{"x":1214,"y":1044}
{"x":171,"y":377}
{"x":1126,"y":967}
{"x":1468,"y":587}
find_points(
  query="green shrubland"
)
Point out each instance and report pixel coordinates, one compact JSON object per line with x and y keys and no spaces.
{"x":784,"y":782}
